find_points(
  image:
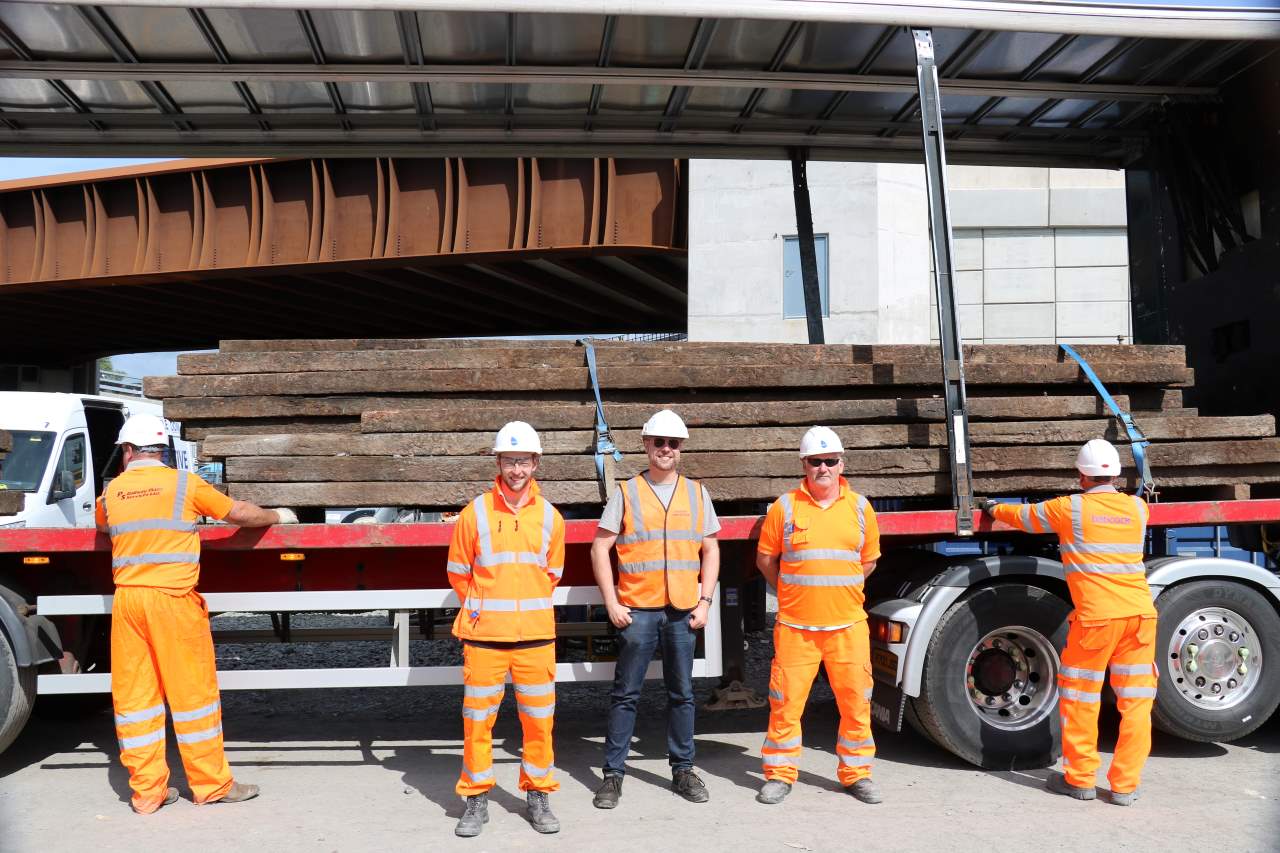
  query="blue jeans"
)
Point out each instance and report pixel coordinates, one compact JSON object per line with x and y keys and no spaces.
{"x":636,"y":645}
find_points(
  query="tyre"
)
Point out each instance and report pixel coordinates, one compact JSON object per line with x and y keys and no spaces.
{"x":1208,"y":632}
{"x":17,"y":694}
{"x":989,"y":692}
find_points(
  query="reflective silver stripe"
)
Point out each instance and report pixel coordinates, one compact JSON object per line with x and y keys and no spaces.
{"x":1132,"y":669}
{"x":483,"y":691}
{"x":188,"y":716}
{"x":1042,"y":513}
{"x":631,"y":501}
{"x":857,"y":760}
{"x":657,"y":535}
{"x":868,"y":692}
{"x":821,"y":580}
{"x":862,"y":505}
{"x":180,"y":496}
{"x":1105,"y":568}
{"x":547,"y":689}
{"x":776,"y":695}
{"x":1024,"y":517}
{"x":536,"y":710}
{"x":789,"y":743}
{"x":815,"y":627}
{"x":151,"y":524}
{"x":695,"y":515}
{"x":458,"y":568}
{"x":548,"y":524}
{"x":556,"y":572}
{"x":821,"y":554}
{"x":197,"y":737}
{"x":1077,"y":672}
{"x":139,"y":716}
{"x":1141,"y":507}
{"x":771,"y":760}
{"x":528,"y":604}
{"x":534,"y":771}
{"x":785,"y":500}
{"x":483,"y":538}
{"x":479,"y":714}
{"x":1077,"y":518}
{"x":660,"y":565}
{"x":1103,"y":548}
{"x":527,"y":558}
{"x":1135,"y":692}
{"x":855,"y":744}
{"x":152,"y":559}
{"x":479,"y":776}
{"x":142,"y":740}
{"x":498,"y":605}
{"x":1079,"y":695}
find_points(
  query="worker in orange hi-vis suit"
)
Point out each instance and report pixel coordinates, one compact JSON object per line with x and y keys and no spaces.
{"x":505,"y":559}
{"x":818,"y":543}
{"x":161,"y":648}
{"x":1101,"y":533}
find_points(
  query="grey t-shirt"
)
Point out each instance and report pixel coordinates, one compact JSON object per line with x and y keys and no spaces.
{"x":611,"y":518}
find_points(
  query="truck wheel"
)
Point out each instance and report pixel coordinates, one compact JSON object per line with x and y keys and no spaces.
{"x":1208,"y":632}
{"x":17,"y":694}
{"x":989,"y":692}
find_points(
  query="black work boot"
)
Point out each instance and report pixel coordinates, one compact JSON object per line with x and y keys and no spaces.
{"x":687,"y":784}
{"x":474,"y":817}
{"x":609,"y":792}
{"x":540,"y":813}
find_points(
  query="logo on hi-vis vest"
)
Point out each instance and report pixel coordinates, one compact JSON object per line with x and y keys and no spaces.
{"x":139,"y":493}
{"x":1111,"y":519}
{"x":788,"y":528}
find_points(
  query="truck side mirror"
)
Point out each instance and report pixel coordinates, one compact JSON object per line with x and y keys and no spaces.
{"x":64,"y":486}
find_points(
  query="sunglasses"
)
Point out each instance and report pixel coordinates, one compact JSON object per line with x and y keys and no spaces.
{"x":673,"y":443}
{"x":816,"y":462}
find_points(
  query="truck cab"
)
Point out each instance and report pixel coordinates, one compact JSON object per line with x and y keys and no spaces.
{"x":62,"y":446}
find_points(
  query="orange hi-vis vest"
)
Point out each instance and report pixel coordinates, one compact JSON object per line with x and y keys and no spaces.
{"x":660,"y":548}
{"x":504,"y":566}
{"x":1101,"y":535}
{"x":823,"y":550}
{"x":151,"y":512}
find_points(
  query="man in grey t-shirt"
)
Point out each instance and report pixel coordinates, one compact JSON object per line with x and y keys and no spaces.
{"x":664,"y":528}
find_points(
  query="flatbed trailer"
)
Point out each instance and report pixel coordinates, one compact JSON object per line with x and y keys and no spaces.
{"x":964,"y":648}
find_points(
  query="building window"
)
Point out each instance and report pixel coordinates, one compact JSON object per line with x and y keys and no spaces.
{"x":793,"y":280}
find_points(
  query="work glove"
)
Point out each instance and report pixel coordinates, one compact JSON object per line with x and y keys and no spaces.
{"x":984,"y":504}
{"x":287,"y":516}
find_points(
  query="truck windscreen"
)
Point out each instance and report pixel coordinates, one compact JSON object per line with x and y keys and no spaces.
{"x":23,"y":468}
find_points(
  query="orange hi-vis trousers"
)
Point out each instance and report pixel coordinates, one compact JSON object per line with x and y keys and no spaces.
{"x":1128,"y":648}
{"x":846,"y":653}
{"x":162,"y":652}
{"x":533,"y":673}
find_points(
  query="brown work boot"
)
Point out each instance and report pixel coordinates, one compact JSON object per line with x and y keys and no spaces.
{"x":238,"y":793}
{"x":170,"y":797}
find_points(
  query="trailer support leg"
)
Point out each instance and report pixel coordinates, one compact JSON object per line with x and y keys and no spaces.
{"x":935,"y":165}
{"x":808,"y":253}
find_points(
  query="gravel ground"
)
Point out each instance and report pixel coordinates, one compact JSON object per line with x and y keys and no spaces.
{"x":353,"y":770}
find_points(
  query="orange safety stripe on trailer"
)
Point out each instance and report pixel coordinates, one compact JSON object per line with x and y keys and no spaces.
{"x":934,"y":524}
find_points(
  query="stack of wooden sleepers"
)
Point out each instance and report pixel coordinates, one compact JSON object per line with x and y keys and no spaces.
{"x":10,"y":502}
{"x":309,"y":423}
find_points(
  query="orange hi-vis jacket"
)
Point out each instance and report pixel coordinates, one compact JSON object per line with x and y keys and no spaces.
{"x":150,"y":512}
{"x":1101,"y":535}
{"x":660,"y":548}
{"x":823,"y":551}
{"x":504,"y":564}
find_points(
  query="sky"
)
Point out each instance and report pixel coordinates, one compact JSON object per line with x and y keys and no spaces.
{"x":11,"y":168}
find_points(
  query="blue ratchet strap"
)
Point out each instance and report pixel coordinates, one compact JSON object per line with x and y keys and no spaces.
{"x":604,"y":441}
{"x":1137,"y":441}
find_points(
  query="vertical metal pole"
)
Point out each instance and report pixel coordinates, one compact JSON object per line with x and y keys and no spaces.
{"x":808,"y":254}
{"x":935,"y":165}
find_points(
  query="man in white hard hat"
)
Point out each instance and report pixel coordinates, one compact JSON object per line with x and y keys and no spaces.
{"x":1101,"y":534}
{"x":664,"y":527}
{"x":161,"y":648}
{"x":505,"y":559}
{"x":818,"y":544}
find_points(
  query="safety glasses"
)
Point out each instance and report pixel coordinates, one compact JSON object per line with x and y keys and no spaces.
{"x":673,"y":443}
{"x":819,"y":461}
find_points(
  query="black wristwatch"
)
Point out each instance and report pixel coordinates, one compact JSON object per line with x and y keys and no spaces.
{"x":705,"y":598}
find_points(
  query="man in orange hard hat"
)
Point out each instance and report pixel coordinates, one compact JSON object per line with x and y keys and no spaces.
{"x":161,"y":648}
{"x":505,"y":560}
{"x":818,"y":544}
{"x":1101,"y":534}
{"x":664,"y":527}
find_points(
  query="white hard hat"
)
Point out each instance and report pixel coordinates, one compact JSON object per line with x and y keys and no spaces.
{"x":517,"y":437}
{"x":667,"y":424}
{"x":1098,"y":458}
{"x":819,"y":440}
{"x":143,"y":431}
